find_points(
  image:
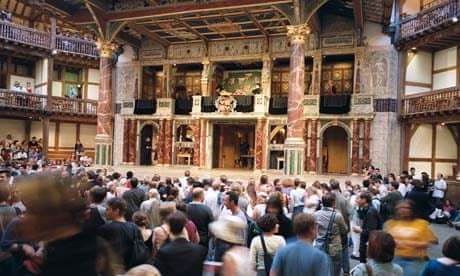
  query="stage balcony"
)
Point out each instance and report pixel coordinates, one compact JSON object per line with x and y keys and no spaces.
{"x":437,"y":102}
{"x":31,"y":38}
{"x":431,"y":28}
{"x":15,"y":103}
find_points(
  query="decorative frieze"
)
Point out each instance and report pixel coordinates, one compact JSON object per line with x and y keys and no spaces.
{"x":151,"y":52}
{"x":236,"y":47}
{"x":386,"y":105}
{"x":338,"y":40}
{"x":185,"y":51}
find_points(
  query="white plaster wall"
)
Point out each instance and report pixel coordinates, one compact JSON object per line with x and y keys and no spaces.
{"x":419,"y":69}
{"x":445,"y":168}
{"x":421,"y":167}
{"x":445,"y":58}
{"x":36,"y":129}
{"x":93,"y":92}
{"x":445,"y":143}
{"x":93,"y":75}
{"x":57,"y":89}
{"x":67,"y":135}
{"x":410,"y":7}
{"x":14,"y":127}
{"x":88,"y":135}
{"x":420,"y":144}
{"x":445,"y":79}
{"x":118,"y":140}
{"x":41,"y":76}
{"x":127,"y":55}
{"x":372,"y":34}
{"x":411,"y":90}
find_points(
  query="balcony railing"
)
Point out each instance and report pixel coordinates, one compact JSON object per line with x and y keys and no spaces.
{"x":434,"y":101}
{"x":22,"y":100}
{"x":429,"y":18}
{"x":35,"y":38}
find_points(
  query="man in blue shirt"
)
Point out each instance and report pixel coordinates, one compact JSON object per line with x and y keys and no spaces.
{"x":301,"y":258}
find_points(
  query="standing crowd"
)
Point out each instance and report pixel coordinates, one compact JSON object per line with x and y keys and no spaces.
{"x":59,"y":221}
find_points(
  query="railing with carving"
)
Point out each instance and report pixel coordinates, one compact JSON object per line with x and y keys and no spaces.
{"x":432,"y":17}
{"x":438,"y":100}
{"x":23,"y":100}
{"x":32,"y":37}
{"x":73,"y":105}
{"x":24,"y":35}
{"x":76,"y":46}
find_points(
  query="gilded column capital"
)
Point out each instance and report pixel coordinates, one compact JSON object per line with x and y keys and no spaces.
{"x":298,"y":33}
{"x":106,"y":49}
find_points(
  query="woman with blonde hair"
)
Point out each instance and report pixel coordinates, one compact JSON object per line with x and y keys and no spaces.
{"x":311,"y":200}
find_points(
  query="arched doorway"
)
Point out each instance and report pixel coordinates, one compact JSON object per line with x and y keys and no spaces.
{"x":148,"y":144}
{"x":334,"y":151}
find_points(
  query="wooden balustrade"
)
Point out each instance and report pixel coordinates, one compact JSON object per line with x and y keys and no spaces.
{"x":429,"y":18}
{"x":32,"y":37}
{"x":434,"y":101}
{"x":11,"y":98}
{"x":76,"y":46}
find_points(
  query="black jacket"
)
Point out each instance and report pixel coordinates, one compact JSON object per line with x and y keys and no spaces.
{"x":181,"y":257}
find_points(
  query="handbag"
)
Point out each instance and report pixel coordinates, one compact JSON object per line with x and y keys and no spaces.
{"x":268,"y":259}
{"x":325,"y":245}
{"x":139,"y":251}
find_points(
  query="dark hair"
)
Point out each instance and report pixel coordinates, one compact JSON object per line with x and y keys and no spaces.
{"x":304,"y":224}
{"x":400,"y":205}
{"x":133,"y":182}
{"x":267,"y":222}
{"x":367,"y":196}
{"x":181,"y":206}
{"x":129,"y":174}
{"x":335,"y":184}
{"x":117,"y":204}
{"x":233,"y":196}
{"x":116,"y":175}
{"x":395,"y":185}
{"x":4,"y":192}
{"x":328,"y":200}
{"x":176,"y":222}
{"x":381,"y":246}
{"x":97,"y":194}
{"x":366,"y":183}
{"x":275,"y":202}
{"x":140,"y":219}
{"x":451,"y":248}
{"x":263,"y":179}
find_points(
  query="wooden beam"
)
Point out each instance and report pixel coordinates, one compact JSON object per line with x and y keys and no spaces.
{"x":142,"y":30}
{"x":188,"y":27}
{"x":315,"y":24}
{"x":100,"y":18}
{"x":129,"y":40}
{"x":254,"y":20}
{"x":358,"y":11}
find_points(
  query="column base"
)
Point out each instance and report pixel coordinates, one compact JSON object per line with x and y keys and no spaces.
{"x":312,"y":172}
{"x":294,"y":152}
{"x":103,"y":150}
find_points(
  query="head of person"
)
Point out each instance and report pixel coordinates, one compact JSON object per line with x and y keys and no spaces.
{"x":198,"y":194}
{"x":134,"y":182}
{"x":230,"y":199}
{"x":394,"y":185}
{"x":305,"y":226}
{"x":97,"y":194}
{"x":263,"y":179}
{"x":140,"y":219}
{"x":176,"y":222}
{"x":187,"y":173}
{"x":129,"y":174}
{"x":116,"y":208}
{"x":229,"y":229}
{"x":166,"y":209}
{"x":328,"y":200}
{"x":4,"y":192}
{"x":381,"y":247}
{"x":335,"y":184}
{"x":274,"y":206}
{"x":405,"y":210}
{"x":268,"y":223}
{"x":451,"y":248}
{"x":364,"y":199}
{"x":4,"y":176}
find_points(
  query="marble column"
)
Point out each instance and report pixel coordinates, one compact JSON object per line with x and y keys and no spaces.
{"x":358,"y":64}
{"x":355,"y":148}
{"x":197,"y":139}
{"x":161,"y":141}
{"x":267,"y":75}
{"x":366,"y":142}
{"x":168,"y":141}
{"x":307,"y":142}
{"x":203,"y":143}
{"x":316,"y":78}
{"x":206,"y":76}
{"x":294,"y":145}
{"x":261,"y":144}
{"x":126,"y":124}
{"x":104,"y":131}
{"x":313,"y":145}
{"x":132,"y":143}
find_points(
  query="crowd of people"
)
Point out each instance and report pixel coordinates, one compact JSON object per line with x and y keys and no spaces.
{"x":20,"y":151}
{"x":65,"y":221}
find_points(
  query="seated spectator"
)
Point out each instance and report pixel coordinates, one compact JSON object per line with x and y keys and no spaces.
{"x":447,"y":265}
{"x":6,"y":15}
{"x":439,"y":216}
{"x":380,"y":252}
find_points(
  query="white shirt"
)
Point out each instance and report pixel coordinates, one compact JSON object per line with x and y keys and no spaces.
{"x":439,"y":184}
{"x":210,"y":199}
{"x":297,"y":195}
{"x":402,"y":189}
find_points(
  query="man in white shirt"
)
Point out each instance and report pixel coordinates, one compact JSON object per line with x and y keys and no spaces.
{"x":440,"y":188}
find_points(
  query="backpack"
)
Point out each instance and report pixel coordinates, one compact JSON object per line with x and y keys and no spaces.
{"x":139,"y":253}
{"x":252,"y":230}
